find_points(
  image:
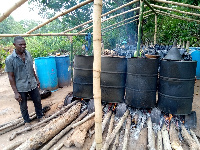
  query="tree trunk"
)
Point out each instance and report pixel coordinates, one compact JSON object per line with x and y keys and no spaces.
{"x":51,"y":129}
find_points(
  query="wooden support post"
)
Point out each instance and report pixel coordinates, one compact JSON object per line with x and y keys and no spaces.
{"x":97,"y":71}
{"x":71,"y":56}
{"x":140,"y":27}
{"x":155,"y":34}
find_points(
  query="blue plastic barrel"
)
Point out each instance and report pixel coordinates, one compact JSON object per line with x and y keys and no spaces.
{"x":47,"y":72}
{"x":196,"y":56}
{"x":63,"y":70}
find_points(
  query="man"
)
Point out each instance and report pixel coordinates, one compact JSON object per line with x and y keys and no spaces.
{"x":23,"y":80}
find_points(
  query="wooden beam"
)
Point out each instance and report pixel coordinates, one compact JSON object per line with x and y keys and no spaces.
{"x":102,"y":15}
{"x":97,"y":71}
{"x":140,"y":27}
{"x":176,"y":16}
{"x":9,"y":11}
{"x":179,"y":11}
{"x":176,"y":3}
{"x":61,"y":14}
{"x":42,"y":34}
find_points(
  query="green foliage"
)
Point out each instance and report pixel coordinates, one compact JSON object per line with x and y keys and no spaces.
{"x":3,"y":55}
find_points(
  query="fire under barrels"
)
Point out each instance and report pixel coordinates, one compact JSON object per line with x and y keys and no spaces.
{"x":141,"y":82}
{"x":113,"y":79}
{"x":176,"y":86}
{"x":83,"y":76}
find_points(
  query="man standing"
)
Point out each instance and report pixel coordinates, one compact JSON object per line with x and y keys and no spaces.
{"x":23,"y":80}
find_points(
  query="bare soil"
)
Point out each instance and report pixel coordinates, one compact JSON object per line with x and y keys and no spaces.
{"x":9,"y":110}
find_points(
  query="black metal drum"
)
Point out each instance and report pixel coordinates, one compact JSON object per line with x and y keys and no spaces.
{"x":83,"y":77}
{"x":176,"y":86}
{"x":141,"y":82}
{"x":113,"y":78}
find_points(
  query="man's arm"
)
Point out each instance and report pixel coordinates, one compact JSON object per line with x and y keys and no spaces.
{"x":38,"y":82}
{"x":11,"y":77}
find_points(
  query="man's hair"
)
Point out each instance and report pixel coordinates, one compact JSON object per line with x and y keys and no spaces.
{"x":18,"y":38}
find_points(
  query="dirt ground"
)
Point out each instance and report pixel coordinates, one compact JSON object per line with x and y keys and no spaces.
{"x":9,"y":110}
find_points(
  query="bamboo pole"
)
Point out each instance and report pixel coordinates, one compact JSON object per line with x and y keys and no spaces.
{"x":9,"y":11}
{"x":179,"y":11}
{"x":140,"y":26}
{"x":127,"y":23}
{"x":176,"y":16}
{"x":156,"y":29}
{"x":61,"y":14}
{"x":71,"y":56}
{"x":102,"y":15}
{"x":42,"y":34}
{"x":97,"y":71}
{"x":111,"y":18}
{"x":149,"y":5}
{"x":176,"y":3}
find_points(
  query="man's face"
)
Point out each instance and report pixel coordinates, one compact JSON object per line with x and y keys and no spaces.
{"x":20,"y":45}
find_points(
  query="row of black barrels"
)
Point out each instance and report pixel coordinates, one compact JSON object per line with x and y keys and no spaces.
{"x":136,"y":81}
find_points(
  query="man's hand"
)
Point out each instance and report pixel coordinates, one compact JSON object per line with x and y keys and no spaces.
{"x":38,"y":83}
{"x":18,"y":97}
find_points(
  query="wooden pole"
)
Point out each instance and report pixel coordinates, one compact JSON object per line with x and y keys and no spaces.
{"x":102,"y":15}
{"x":176,"y":3}
{"x":140,"y":26}
{"x":155,"y":34}
{"x":71,"y":56}
{"x":61,"y":14}
{"x":42,"y":34}
{"x":97,"y":71}
{"x":9,"y":11}
{"x":147,"y":3}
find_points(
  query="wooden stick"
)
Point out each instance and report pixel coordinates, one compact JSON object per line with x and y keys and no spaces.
{"x":13,"y":146}
{"x":61,"y":14}
{"x":97,"y":71}
{"x":116,"y":143}
{"x":64,"y":131}
{"x":105,"y":120}
{"x":195,"y":137}
{"x":42,"y":34}
{"x":175,"y":142}
{"x":165,"y":137}
{"x":51,"y":129}
{"x":188,"y":139}
{"x":151,"y":135}
{"x":9,"y":11}
{"x":159,"y":140}
{"x":127,"y":131}
{"x":45,"y":120}
{"x":110,"y":128}
{"x":117,"y":128}
{"x":59,"y":146}
{"x":84,"y":120}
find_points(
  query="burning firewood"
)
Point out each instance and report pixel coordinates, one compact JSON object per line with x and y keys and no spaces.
{"x":190,"y":141}
{"x":151,"y":135}
{"x":165,"y":137}
{"x":195,"y":137}
{"x":127,"y":131}
{"x":135,"y":119}
{"x":45,"y":120}
{"x":79,"y":134}
{"x":51,"y":129}
{"x":117,"y":128}
{"x":116,"y":143}
{"x":159,"y":141}
{"x":175,"y":143}
{"x":105,"y":120}
{"x":64,"y":131}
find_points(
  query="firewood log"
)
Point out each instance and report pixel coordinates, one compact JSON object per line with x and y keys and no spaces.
{"x":127,"y":131}
{"x":117,"y":128}
{"x":195,"y":137}
{"x":116,"y":143}
{"x":79,"y":134}
{"x":13,"y":146}
{"x":110,"y":128}
{"x":175,"y":142}
{"x":159,"y":140}
{"x":188,"y":139}
{"x":51,"y":129}
{"x":135,"y":119}
{"x":165,"y":137}
{"x":45,"y":120}
{"x":105,"y":120}
{"x":151,"y":135}
{"x":63,"y":132}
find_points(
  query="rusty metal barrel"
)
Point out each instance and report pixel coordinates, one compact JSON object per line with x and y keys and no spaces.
{"x":176,"y":86}
{"x":83,"y":76}
{"x":141,"y":82}
{"x":113,"y":79}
